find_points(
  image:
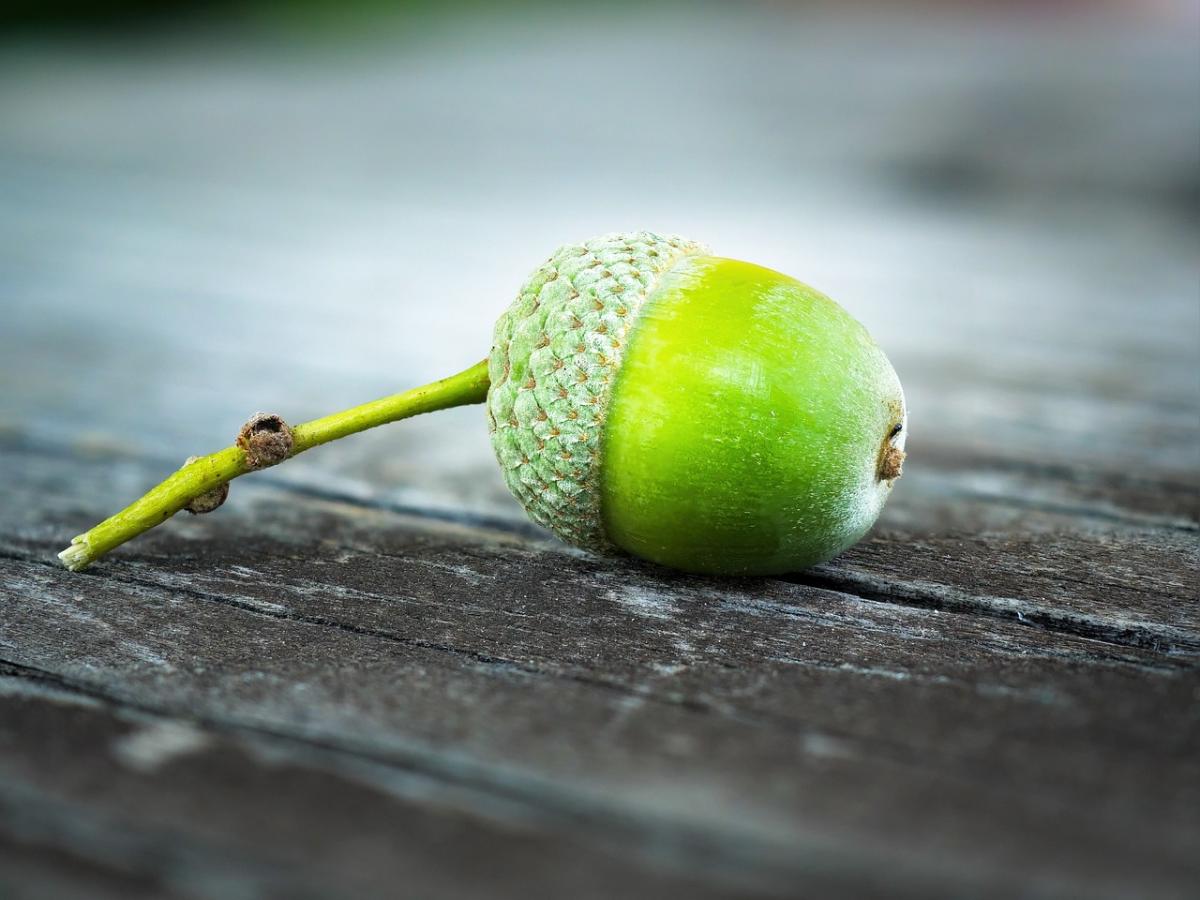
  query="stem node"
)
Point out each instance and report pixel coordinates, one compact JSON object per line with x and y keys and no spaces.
{"x":266,"y":440}
{"x":207,"y":502}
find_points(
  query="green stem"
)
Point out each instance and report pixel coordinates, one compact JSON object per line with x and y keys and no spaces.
{"x":208,"y":473}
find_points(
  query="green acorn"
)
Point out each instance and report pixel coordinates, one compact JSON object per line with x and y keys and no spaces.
{"x":642,"y":395}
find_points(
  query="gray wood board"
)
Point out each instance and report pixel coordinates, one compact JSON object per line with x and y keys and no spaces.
{"x":369,"y":674}
{"x":771,"y":733}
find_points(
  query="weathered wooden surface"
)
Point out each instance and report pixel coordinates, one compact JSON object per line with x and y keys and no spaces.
{"x":367,"y":675}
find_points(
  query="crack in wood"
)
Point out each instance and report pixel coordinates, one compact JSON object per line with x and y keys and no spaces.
{"x":1158,"y":639}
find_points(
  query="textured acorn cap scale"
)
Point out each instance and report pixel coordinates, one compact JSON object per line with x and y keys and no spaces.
{"x":553,"y":365}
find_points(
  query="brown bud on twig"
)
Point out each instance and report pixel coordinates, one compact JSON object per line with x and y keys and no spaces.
{"x":206,"y":503}
{"x":265,"y":439}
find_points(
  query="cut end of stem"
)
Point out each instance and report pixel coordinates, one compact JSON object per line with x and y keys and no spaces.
{"x":78,"y":555}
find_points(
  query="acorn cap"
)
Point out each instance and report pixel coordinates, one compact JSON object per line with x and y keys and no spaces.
{"x":554,"y":361}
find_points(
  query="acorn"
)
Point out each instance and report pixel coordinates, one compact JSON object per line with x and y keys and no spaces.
{"x":646,"y":397}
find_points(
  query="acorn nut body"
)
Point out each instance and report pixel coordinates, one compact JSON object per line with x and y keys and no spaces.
{"x":703,"y":413}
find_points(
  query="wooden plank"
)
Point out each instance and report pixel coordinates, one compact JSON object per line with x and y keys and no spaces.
{"x":1136,"y":588}
{"x":865,"y":804}
{"x":923,"y":553}
{"x":1031,"y":324}
{"x":167,"y":805}
{"x":814,"y":719}
{"x":946,"y":478}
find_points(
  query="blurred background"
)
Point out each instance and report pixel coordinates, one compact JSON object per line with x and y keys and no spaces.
{"x":1006,"y":194}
